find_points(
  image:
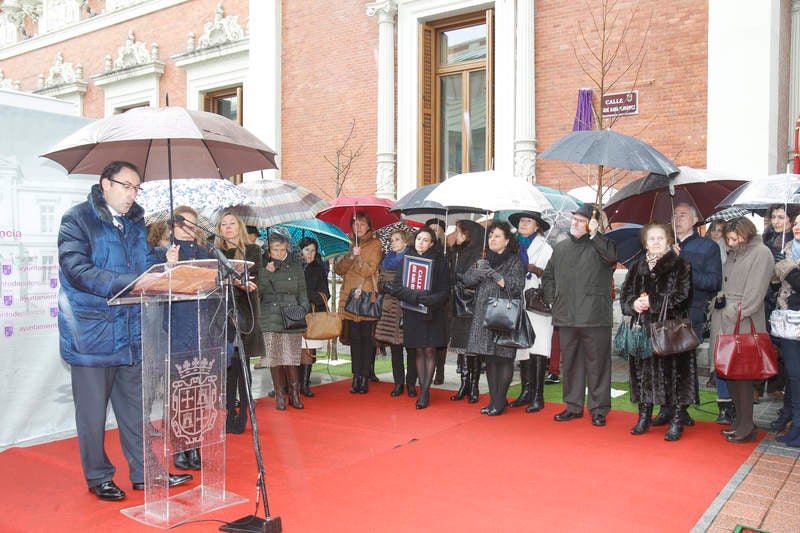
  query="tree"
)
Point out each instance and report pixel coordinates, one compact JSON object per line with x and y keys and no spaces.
{"x":342,"y":163}
{"x":605,"y":54}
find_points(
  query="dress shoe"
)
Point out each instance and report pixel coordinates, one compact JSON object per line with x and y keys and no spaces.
{"x":174,"y":481}
{"x":485,"y":410}
{"x":727,"y":432}
{"x":181,"y":461}
{"x":195,"y":463}
{"x":374,"y":378}
{"x":356,"y":386}
{"x":494,"y":411}
{"x":598,"y":420}
{"x":551,"y":379}
{"x":412,"y":391}
{"x":566,"y":415}
{"x":742,"y":440}
{"x":107,"y":491}
{"x":397,"y":390}
{"x":792,"y":435}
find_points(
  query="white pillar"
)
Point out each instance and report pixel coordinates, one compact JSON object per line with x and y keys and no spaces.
{"x":386,"y":11}
{"x":794,"y":73}
{"x":525,"y":116}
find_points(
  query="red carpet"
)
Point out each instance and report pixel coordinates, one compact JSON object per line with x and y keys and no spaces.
{"x":374,"y":463}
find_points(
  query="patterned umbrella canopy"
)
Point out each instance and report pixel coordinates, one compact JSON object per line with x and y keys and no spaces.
{"x":276,"y":201}
{"x":331,"y":241}
{"x":201,"y":194}
{"x":383,"y":233}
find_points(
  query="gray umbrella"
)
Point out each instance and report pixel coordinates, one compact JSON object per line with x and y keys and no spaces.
{"x":611,"y":149}
{"x":416,"y":202}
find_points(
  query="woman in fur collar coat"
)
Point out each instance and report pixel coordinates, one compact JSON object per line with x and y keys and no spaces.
{"x":664,"y":380}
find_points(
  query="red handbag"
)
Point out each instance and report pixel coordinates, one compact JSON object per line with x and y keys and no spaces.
{"x":748,"y":356}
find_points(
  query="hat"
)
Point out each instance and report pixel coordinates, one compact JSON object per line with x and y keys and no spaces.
{"x":585,"y":210}
{"x":535,"y":215}
{"x":251,"y":230}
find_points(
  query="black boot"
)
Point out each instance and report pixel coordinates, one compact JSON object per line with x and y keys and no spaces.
{"x":462,"y":369}
{"x":194,"y":459}
{"x":727,"y":414}
{"x":645,"y":419}
{"x":538,"y":370}
{"x":181,"y":461}
{"x":663,"y":417}
{"x":441,"y":357}
{"x":474,"y":370}
{"x":525,"y":379}
{"x":279,"y":383}
{"x":305,"y":381}
{"x":397,"y":390}
{"x":356,"y":386}
{"x":675,"y":429}
{"x":294,"y":386}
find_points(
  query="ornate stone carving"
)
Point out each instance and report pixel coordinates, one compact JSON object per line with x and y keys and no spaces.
{"x":6,"y":83}
{"x":525,"y":160}
{"x":133,"y":54}
{"x":60,"y":73}
{"x":60,"y":13}
{"x":220,"y":31}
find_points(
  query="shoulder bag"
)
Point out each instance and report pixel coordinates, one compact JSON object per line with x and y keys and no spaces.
{"x":672,"y":336}
{"x":323,"y":325}
{"x":364,"y":303}
{"x":502,"y":313}
{"x":749,"y":356}
{"x":632,"y":340}
{"x":785,"y":324}
{"x":522,"y":336}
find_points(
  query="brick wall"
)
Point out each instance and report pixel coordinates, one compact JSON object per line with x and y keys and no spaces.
{"x":672,"y":81}
{"x":330,"y":73}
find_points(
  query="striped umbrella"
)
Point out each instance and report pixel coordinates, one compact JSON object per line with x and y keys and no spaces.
{"x":276,"y":201}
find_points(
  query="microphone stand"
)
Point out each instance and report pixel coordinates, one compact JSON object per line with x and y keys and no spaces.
{"x":229,"y":273}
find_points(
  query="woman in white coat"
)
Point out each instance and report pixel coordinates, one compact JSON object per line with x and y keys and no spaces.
{"x":535,"y":360}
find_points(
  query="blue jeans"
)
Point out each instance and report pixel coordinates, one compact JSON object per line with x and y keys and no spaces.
{"x":791,"y":360}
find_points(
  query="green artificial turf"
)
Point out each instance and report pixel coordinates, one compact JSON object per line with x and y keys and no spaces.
{"x":706,"y":411}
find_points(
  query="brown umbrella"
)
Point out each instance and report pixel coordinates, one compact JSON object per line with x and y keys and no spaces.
{"x":165,"y":143}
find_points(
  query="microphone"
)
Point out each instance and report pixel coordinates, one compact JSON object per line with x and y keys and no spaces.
{"x":216,"y":252}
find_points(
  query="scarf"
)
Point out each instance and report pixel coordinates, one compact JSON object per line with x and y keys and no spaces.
{"x":495,"y":259}
{"x":392,"y":260}
{"x":652,"y":259}
{"x":524,"y":244}
{"x":795,"y":249}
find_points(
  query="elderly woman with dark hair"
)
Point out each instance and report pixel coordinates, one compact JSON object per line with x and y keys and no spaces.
{"x":501,"y":273}
{"x":661,"y":277}
{"x":318,"y":292}
{"x":424,"y":331}
{"x":745,"y":281}
{"x":359,"y":269}
{"x":282,"y":282}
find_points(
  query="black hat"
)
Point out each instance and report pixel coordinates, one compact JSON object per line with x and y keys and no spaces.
{"x":513,"y":218}
{"x":585,"y":210}
{"x":251,"y":230}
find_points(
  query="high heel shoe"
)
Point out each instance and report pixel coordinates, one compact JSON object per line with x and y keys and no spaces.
{"x":424,"y":398}
{"x":743,"y":440}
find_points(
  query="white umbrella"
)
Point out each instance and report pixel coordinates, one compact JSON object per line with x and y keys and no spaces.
{"x":762,"y":192}
{"x":488,"y":192}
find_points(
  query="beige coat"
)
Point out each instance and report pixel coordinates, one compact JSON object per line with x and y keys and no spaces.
{"x":361,"y":271}
{"x":745,"y":279}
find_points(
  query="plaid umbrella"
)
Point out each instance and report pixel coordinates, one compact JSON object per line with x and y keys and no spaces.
{"x":276,"y":201}
{"x":726,"y":214}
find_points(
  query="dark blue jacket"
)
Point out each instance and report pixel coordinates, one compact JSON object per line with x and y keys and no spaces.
{"x":96,"y":262}
{"x":703,"y":255}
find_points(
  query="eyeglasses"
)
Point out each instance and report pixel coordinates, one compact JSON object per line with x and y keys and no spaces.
{"x":127,"y":186}
{"x":578,"y":220}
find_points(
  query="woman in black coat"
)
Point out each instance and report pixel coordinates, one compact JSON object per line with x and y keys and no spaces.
{"x":318,"y":292}
{"x":500,"y":274}
{"x":664,"y":380}
{"x":463,"y":254}
{"x":424,"y":331}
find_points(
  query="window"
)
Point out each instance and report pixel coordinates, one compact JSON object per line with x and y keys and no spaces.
{"x":228,"y":103}
{"x":456,"y":110}
{"x":47,"y":218}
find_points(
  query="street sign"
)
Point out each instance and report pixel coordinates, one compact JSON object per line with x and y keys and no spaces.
{"x":621,"y":104}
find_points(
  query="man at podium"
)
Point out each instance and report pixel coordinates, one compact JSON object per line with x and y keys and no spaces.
{"x":102,"y":248}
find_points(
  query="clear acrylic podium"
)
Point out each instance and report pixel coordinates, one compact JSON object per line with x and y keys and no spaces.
{"x":184,"y":360}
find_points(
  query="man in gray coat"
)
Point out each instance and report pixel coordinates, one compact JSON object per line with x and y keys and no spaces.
{"x":577,"y":282}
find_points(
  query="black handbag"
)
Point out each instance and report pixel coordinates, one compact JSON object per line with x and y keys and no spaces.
{"x":294,"y":316}
{"x":672,"y":336}
{"x":522,"y":336}
{"x":463,"y":300}
{"x":364,"y":303}
{"x":502,"y":313}
{"x":534,"y":301}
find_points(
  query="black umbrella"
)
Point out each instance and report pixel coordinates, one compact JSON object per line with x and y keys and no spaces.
{"x":611,"y":149}
{"x":629,"y":245}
